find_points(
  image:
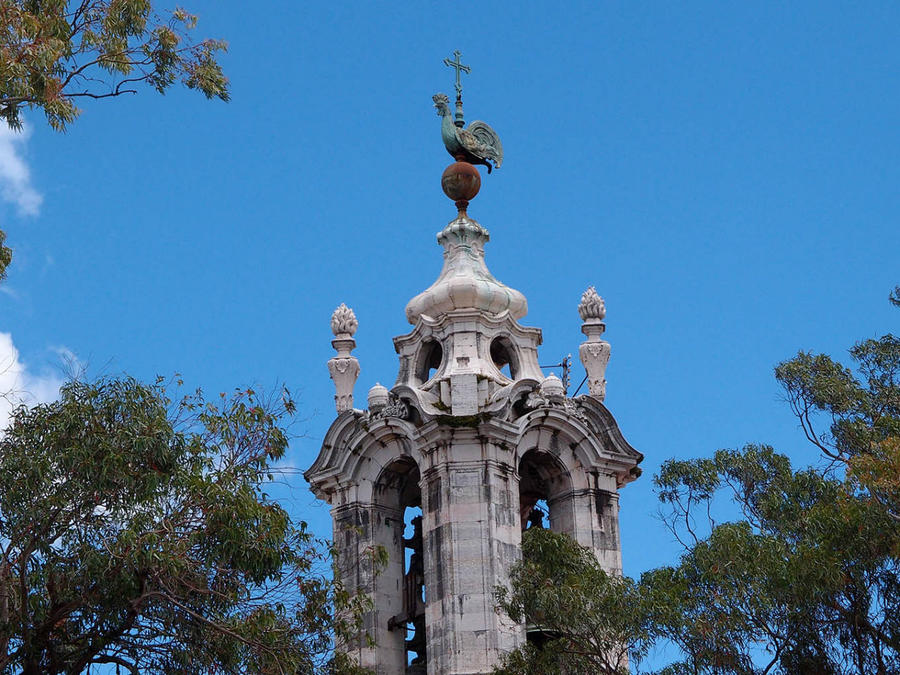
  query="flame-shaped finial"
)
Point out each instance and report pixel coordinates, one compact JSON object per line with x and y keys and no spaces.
{"x":591,"y":307}
{"x":594,"y":352}
{"x":343,"y":321}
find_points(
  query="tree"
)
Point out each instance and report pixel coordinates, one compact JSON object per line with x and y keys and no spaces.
{"x":5,"y":256}
{"x":806,"y":578}
{"x":137,"y":532}
{"x":586,"y":621}
{"x":55,"y":52}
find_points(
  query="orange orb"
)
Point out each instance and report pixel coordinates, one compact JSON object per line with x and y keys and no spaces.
{"x":461,"y":181}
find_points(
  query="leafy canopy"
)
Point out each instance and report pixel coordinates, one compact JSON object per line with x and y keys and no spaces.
{"x":137,"y":532}
{"x":806,"y":580}
{"x":585,"y":619}
{"x":5,"y":256}
{"x":54,"y":52}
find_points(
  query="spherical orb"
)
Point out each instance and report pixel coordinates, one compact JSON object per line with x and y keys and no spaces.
{"x":461,"y":181}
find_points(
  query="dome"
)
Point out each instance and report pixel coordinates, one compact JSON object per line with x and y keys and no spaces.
{"x":465,"y":281}
{"x":378,"y":397}
{"x":552,"y":386}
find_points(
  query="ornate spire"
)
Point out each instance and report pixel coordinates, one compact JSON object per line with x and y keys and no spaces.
{"x":344,"y":368}
{"x":594,"y":352}
{"x":465,"y":282}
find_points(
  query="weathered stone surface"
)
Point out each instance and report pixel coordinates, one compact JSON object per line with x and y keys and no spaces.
{"x":475,"y":434}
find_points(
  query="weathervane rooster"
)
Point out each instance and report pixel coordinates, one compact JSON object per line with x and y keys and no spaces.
{"x":478,"y":144}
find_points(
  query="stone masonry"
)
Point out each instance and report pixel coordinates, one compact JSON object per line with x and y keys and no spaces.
{"x":475,"y":435}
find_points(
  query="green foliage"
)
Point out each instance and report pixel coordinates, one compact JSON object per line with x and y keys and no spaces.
{"x":805,"y":580}
{"x":589,"y":620}
{"x":54,"y":52}
{"x":5,"y":256}
{"x":137,"y":532}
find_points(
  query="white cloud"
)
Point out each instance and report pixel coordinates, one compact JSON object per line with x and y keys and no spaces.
{"x":18,"y":384}
{"x":15,"y":176}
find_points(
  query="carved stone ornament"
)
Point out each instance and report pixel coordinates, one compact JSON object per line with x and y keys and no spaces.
{"x":538,"y":399}
{"x":395,"y":408}
{"x":595,"y":357}
{"x":344,"y":368}
{"x":552,"y":387}
{"x":344,"y":371}
{"x":594,"y":352}
{"x":343,"y":321}
{"x":591,"y":306}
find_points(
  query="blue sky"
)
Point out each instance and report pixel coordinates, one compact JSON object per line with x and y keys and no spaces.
{"x":725,"y":174}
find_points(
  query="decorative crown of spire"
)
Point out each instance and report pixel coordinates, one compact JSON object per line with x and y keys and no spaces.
{"x":591,"y":307}
{"x":476,"y":144}
{"x":343,"y":321}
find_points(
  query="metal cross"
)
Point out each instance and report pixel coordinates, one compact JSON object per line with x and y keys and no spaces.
{"x":460,"y":68}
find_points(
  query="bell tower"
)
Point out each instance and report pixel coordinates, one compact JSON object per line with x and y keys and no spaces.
{"x":471,"y":445}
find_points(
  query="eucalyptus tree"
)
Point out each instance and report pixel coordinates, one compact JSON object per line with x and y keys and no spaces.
{"x":138,"y":532}
{"x":55,"y":53}
{"x":804,"y":580}
{"x":582,"y":620}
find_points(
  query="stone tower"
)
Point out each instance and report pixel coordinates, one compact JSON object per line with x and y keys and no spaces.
{"x":476,"y":436}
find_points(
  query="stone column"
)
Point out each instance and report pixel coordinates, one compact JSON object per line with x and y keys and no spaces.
{"x":472,"y":536}
{"x":591,"y":517}
{"x":358,"y":530}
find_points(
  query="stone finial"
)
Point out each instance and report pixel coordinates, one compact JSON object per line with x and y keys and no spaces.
{"x":591,"y":306}
{"x":552,"y":387}
{"x":378,"y":397}
{"x":344,"y":368}
{"x":343,"y":321}
{"x":594,"y":352}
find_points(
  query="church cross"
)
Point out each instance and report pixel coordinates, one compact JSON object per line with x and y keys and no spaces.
{"x":460,"y":68}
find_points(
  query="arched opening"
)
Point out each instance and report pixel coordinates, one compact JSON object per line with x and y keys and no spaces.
{"x":505,"y":357}
{"x":399,"y":485}
{"x":429,"y":360}
{"x":542,"y":480}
